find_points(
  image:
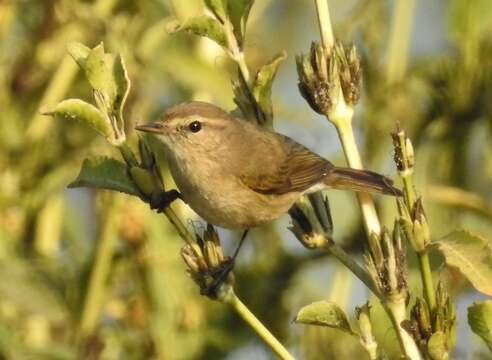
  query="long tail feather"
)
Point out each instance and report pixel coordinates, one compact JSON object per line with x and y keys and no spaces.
{"x":361,"y":180}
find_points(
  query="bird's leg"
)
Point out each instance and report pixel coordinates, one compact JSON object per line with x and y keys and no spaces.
{"x":160,"y":201}
{"x":221,"y":275}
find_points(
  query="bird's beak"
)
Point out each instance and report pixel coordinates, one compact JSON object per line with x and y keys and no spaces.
{"x":156,"y":127}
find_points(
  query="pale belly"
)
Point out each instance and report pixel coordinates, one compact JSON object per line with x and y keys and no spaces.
{"x":225,"y":201}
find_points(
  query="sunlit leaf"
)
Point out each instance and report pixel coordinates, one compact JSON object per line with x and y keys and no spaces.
{"x":238,"y":11}
{"x":105,"y":173}
{"x":218,"y":7}
{"x":324,"y":313}
{"x":480,"y":320}
{"x":75,"y":109}
{"x":108,"y":77}
{"x":201,"y":26}
{"x":78,"y":52}
{"x":472,"y":255}
{"x":262,"y":87}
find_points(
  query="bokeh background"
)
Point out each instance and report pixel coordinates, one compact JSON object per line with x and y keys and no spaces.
{"x":430,"y":70}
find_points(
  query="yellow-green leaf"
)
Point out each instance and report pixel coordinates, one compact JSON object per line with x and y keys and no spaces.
{"x":262,"y":87}
{"x":108,"y":77}
{"x":324,"y":313}
{"x":201,"y":26}
{"x":75,"y":109}
{"x":238,"y":11}
{"x":480,"y":320}
{"x":78,"y":52}
{"x":471,"y":255}
{"x":105,"y":173}
{"x":218,"y":7}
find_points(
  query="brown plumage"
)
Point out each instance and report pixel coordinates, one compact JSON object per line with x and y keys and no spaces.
{"x":237,"y":175}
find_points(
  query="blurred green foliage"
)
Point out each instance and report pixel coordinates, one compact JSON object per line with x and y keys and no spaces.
{"x":148,"y":308}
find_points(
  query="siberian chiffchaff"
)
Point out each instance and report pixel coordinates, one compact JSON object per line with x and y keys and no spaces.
{"x":238,"y":175}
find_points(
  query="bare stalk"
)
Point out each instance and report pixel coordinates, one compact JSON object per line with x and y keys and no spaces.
{"x":242,"y":310}
{"x":235,"y":52}
{"x":324,"y":22}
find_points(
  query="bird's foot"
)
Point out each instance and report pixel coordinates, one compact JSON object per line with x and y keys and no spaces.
{"x":160,"y":201}
{"x":220,"y":276}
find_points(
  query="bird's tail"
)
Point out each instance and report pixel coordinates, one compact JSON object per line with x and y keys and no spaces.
{"x":361,"y":181}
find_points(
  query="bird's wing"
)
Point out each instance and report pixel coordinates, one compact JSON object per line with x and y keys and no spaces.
{"x":294,"y":168}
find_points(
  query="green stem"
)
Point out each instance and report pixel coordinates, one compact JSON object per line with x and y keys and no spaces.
{"x":353,"y":266}
{"x":397,"y":56}
{"x":178,"y":225}
{"x":235,"y":52}
{"x":243,"y":311}
{"x":99,"y":274}
{"x":426,"y":275}
{"x":423,"y":256}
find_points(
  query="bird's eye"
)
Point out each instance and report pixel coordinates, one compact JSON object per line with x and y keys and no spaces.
{"x":195,"y":126}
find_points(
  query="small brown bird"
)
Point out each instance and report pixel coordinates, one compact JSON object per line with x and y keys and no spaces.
{"x":238,"y":175}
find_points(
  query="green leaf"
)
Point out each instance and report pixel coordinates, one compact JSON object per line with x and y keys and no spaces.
{"x":105,"y":173}
{"x":108,"y":77}
{"x":324,"y":313}
{"x":238,"y":11}
{"x":78,"y":52}
{"x":262,"y":86}
{"x":75,"y":109}
{"x":472,"y":255}
{"x":218,"y":8}
{"x":436,"y":346}
{"x":480,"y":320}
{"x":201,"y":26}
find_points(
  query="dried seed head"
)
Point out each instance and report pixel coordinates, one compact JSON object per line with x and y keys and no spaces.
{"x":205,"y":261}
{"x":325,"y":76}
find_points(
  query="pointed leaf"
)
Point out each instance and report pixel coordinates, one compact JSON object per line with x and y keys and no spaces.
{"x":480,"y":320}
{"x":75,"y":109}
{"x":472,"y":255}
{"x":78,"y":52}
{"x":324,"y":313}
{"x":238,"y":11}
{"x":105,"y":173}
{"x":201,"y":26}
{"x":262,"y":87}
{"x":108,"y":77}
{"x":218,"y":8}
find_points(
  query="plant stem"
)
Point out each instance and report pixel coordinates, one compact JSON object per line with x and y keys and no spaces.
{"x":396,"y":309}
{"x":324,"y":22}
{"x":346,"y":135}
{"x":423,"y":256}
{"x":99,"y":274}
{"x":426,"y":275}
{"x":235,"y":52}
{"x":397,"y":55}
{"x":243,"y":311}
{"x":352,"y":265}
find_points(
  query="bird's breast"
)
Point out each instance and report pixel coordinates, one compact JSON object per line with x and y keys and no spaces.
{"x":220,"y":197}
